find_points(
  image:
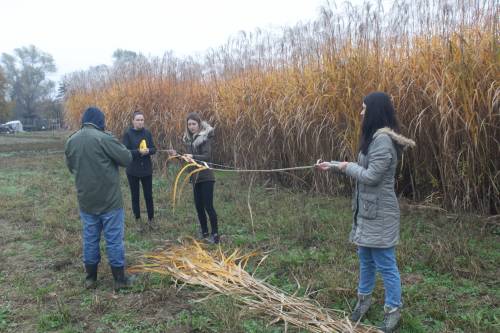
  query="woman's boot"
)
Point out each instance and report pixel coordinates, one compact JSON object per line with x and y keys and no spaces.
{"x":361,"y":308}
{"x":391,"y":319}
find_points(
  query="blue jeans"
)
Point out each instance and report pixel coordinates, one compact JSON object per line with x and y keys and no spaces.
{"x":113,"y":225}
{"x":372,"y":260}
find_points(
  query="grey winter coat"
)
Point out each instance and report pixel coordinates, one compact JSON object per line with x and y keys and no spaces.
{"x":375,"y":205}
{"x":200,"y":146}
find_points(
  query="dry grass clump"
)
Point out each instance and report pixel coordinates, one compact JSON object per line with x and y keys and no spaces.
{"x":190,"y":263}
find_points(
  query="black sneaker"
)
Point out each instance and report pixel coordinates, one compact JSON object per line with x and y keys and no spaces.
{"x":203,"y":236}
{"x":214,"y":239}
{"x":140,"y":226}
{"x":152,"y":225}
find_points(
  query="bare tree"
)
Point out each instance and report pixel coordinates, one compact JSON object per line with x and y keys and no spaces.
{"x":27,"y":85}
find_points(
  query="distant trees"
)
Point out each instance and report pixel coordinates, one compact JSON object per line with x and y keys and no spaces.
{"x":125,"y":63}
{"x":123,"y":57}
{"x":27,"y":88}
{"x":5,"y":107}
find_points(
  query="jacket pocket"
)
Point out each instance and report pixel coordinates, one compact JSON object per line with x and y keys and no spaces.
{"x":368,"y":206}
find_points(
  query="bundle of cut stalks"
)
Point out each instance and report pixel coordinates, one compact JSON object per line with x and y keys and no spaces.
{"x":190,"y":263}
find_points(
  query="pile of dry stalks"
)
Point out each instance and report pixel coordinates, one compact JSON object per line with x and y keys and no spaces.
{"x":189,"y":262}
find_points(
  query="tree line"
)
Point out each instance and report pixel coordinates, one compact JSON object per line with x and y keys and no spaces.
{"x":27,"y":93}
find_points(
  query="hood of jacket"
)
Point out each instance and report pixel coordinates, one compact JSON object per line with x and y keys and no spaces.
{"x":94,"y":116}
{"x":399,"y":139}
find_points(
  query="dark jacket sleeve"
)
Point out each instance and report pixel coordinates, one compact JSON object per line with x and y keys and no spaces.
{"x":128,"y":143}
{"x":116,"y":151}
{"x":151,"y":144}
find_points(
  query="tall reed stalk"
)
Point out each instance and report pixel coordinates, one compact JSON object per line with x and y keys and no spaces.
{"x":285,"y":98}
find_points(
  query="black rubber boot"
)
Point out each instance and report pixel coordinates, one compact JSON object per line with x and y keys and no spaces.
{"x":121,"y":280}
{"x":91,"y":278}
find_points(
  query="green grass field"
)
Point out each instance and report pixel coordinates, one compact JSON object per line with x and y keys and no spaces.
{"x":450,"y":263}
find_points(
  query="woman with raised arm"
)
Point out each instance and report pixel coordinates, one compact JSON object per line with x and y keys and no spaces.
{"x":375,"y":228}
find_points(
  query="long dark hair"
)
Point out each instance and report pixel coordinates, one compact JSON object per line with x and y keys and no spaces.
{"x":379,"y":113}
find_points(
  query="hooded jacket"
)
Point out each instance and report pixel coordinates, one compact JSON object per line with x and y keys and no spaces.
{"x":94,"y":116}
{"x":141,"y":164}
{"x":375,"y":205}
{"x":200,"y":146}
{"x":94,"y":156}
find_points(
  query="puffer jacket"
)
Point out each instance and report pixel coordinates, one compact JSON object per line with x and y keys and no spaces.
{"x":200,"y":146}
{"x":375,"y":205}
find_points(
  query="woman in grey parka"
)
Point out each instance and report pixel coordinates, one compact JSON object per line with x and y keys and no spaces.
{"x":375,"y":228}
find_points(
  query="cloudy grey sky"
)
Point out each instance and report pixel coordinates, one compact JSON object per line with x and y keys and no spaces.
{"x":79,"y":34}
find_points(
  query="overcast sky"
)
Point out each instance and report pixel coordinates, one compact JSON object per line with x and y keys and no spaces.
{"x":79,"y":34}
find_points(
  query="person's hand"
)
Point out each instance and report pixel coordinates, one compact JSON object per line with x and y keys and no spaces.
{"x":189,"y":157}
{"x":323,"y":166}
{"x":144,"y":151}
{"x":343,"y":166}
{"x":171,"y":152}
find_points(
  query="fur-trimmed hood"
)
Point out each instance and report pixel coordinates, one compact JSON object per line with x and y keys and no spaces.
{"x":203,"y":135}
{"x":399,"y":139}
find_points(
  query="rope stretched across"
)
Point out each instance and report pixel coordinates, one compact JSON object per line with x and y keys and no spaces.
{"x":201,"y":165}
{"x":219,"y":167}
{"x":233,"y":169}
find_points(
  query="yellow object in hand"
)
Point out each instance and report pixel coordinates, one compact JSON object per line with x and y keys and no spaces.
{"x":143,"y":144}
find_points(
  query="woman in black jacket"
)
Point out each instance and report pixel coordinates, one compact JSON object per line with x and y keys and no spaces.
{"x":198,"y":143}
{"x":140,"y":143}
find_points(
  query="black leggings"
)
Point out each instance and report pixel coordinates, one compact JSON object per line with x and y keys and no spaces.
{"x":147,"y":189}
{"x":204,"y":201}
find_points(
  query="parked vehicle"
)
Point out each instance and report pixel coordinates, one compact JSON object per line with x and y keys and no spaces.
{"x":16,"y":125}
{"x":6,"y":129}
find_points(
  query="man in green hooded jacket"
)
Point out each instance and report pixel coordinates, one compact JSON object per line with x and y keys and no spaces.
{"x":94,"y":157}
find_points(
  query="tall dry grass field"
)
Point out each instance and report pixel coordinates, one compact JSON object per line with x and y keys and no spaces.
{"x":285,"y":98}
